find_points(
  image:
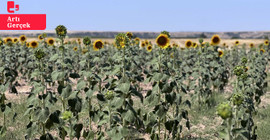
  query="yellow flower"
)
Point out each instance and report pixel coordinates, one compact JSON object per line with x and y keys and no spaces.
{"x":34,"y":44}
{"x":251,"y":45}
{"x":129,"y":35}
{"x":215,"y":40}
{"x":188,"y":43}
{"x":23,"y":38}
{"x":220,"y":53}
{"x":28,"y":44}
{"x":75,"y":49}
{"x":40,"y":37}
{"x":195,"y":45}
{"x":262,"y":50}
{"x":236,"y":42}
{"x":149,"y":48}
{"x":8,"y":39}
{"x":137,"y":39}
{"x":163,"y":41}
{"x":224,"y":44}
{"x":50,"y":41}
{"x":266,"y":42}
{"x":98,"y":44}
{"x":15,"y":40}
{"x":143,"y":44}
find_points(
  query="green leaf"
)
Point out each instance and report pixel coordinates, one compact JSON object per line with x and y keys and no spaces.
{"x":124,"y":87}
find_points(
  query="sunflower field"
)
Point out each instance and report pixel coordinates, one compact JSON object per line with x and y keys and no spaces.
{"x":133,"y":89}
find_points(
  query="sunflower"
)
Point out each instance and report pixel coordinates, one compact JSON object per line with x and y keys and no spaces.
{"x":149,"y":48}
{"x":121,"y":40}
{"x":15,"y":40}
{"x":251,"y":45}
{"x":34,"y":44}
{"x":40,"y":37}
{"x":224,"y":44}
{"x":129,"y":35}
{"x":143,"y":44}
{"x":215,"y":40}
{"x":98,"y":44}
{"x":50,"y":41}
{"x":236,"y":42}
{"x":75,"y":49}
{"x":266,"y":42}
{"x":262,"y":50}
{"x":188,"y":43}
{"x":1,"y":42}
{"x":220,"y":53}
{"x":163,"y":41}
{"x":137,"y":39}
{"x":194,"y":45}
{"x":8,"y":39}
{"x":28,"y":44}
{"x":22,"y":38}
{"x":61,"y":31}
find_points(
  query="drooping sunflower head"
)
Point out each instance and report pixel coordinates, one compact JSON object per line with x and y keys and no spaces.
{"x":39,"y":54}
{"x":121,"y":40}
{"x":22,"y":38}
{"x":149,"y":48}
{"x":237,"y":99}
{"x":266,"y":42}
{"x":251,"y":45}
{"x":129,"y":35}
{"x":220,"y":53}
{"x":215,"y":40}
{"x":262,"y":51}
{"x":224,"y":110}
{"x":236,"y":43}
{"x":50,"y":41}
{"x":188,"y":43}
{"x":75,"y":49}
{"x":163,"y":41}
{"x":61,"y":31}
{"x":194,"y":45}
{"x":34,"y":44}
{"x":87,"y":41}
{"x":98,"y":44}
{"x":40,"y":37}
{"x":15,"y":40}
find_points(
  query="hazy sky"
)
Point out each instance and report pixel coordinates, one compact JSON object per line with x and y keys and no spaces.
{"x":150,"y":15}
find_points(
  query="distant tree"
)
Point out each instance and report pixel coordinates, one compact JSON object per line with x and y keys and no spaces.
{"x":203,"y":35}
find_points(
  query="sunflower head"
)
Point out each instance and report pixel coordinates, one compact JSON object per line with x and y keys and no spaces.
{"x":188,"y":43}
{"x":266,"y":42}
{"x":50,"y":41}
{"x":251,"y":45}
{"x":40,"y":37}
{"x":236,"y":43}
{"x":224,"y":45}
{"x":22,"y":38}
{"x":87,"y":41}
{"x":34,"y":44}
{"x":39,"y":54}
{"x":146,"y":42}
{"x":121,"y":40}
{"x":237,"y":99}
{"x":220,"y":53}
{"x":1,"y":42}
{"x":98,"y":44}
{"x":137,"y":39}
{"x":194,"y":45}
{"x":143,"y":44}
{"x":129,"y":35}
{"x":215,"y":40}
{"x":262,"y":51}
{"x":15,"y":40}
{"x":163,"y":41}
{"x":149,"y":48}
{"x":224,"y":110}
{"x":61,"y":31}
{"x":8,"y":39}
{"x":28,"y":44}
{"x":75,"y":49}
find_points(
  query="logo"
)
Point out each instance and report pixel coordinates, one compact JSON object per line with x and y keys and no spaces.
{"x":11,"y":6}
{"x":21,"y":21}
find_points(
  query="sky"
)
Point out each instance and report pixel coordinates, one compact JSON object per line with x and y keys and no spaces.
{"x":150,"y":15}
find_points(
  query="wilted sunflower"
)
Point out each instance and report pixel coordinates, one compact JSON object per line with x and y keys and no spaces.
{"x":262,"y":50}
{"x":87,"y":41}
{"x":236,"y":42}
{"x":149,"y":48}
{"x":8,"y":39}
{"x":129,"y":35}
{"x":34,"y":44}
{"x":266,"y":42}
{"x":98,"y":44}
{"x":50,"y":41}
{"x":22,"y":38}
{"x":39,"y":54}
{"x":215,"y":40}
{"x":220,"y":53}
{"x":15,"y":40}
{"x":188,"y":43}
{"x":40,"y":37}
{"x":61,"y":31}
{"x":75,"y":49}
{"x":194,"y":45}
{"x":166,"y":33}
{"x":163,"y":41}
{"x":251,"y":45}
